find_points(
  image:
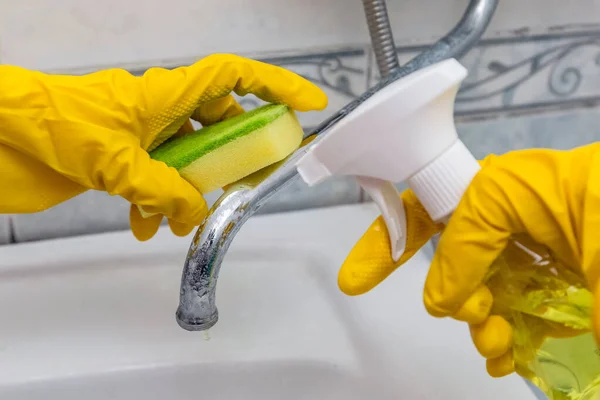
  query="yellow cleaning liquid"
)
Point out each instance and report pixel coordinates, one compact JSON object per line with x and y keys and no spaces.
{"x":549,"y":307}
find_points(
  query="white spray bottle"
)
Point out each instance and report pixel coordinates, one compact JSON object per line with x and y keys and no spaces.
{"x":403,"y":133}
{"x":406,"y":133}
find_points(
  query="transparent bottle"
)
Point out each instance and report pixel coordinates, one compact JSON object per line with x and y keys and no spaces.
{"x":549,"y":307}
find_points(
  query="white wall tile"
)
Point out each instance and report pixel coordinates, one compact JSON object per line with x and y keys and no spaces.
{"x":564,"y":131}
{"x":95,"y":212}
{"x":62,"y":34}
{"x":5,"y":229}
{"x":89,"y":212}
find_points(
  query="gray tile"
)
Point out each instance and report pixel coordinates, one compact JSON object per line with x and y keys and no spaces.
{"x":90,"y":212}
{"x":5,"y":235}
{"x":557,"y":131}
{"x":95,"y":212}
{"x":299,"y":196}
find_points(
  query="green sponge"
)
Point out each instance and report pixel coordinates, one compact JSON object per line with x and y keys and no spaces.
{"x":223,"y":153}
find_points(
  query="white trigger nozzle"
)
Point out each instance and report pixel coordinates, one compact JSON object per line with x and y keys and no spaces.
{"x":387,"y":198}
{"x":402,"y":133}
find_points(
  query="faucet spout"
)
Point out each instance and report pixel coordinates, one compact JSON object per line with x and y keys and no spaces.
{"x":197,"y":309}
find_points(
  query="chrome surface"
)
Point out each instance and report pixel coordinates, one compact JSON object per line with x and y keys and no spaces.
{"x":197,"y":307}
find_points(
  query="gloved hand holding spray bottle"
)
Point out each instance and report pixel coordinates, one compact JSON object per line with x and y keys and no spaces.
{"x":540,"y":310}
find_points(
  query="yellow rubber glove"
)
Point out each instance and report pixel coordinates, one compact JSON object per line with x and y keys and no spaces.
{"x":62,"y":135}
{"x":552,"y":196}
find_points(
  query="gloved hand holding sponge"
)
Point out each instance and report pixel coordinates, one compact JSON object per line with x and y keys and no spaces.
{"x":63,"y":135}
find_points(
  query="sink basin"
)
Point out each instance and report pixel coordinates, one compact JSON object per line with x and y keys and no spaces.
{"x":93,"y":318}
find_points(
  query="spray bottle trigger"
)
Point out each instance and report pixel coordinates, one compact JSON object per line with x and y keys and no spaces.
{"x":387,"y":198}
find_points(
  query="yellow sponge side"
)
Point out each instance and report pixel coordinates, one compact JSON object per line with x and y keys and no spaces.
{"x":245,"y":155}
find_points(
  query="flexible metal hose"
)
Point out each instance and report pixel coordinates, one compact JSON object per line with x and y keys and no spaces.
{"x":382,"y":39}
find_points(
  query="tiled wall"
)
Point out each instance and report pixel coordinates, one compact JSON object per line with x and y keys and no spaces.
{"x":534,"y":80}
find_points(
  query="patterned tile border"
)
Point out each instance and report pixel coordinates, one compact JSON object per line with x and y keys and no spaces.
{"x":533,"y":74}
{"x":512,"y":74}
{"x":507,"y":75}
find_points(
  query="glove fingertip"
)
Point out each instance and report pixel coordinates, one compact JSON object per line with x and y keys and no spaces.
{"x":351,"y":286}
{"x":199,"y":210}
{"x":477,"y":307}
{"x":184,"y":203}
{"x":449,"y":289}
{"x":433,"y":302}
{"x":312,"y":98}
{"x":143,"y":228}
{"x":368,"y":263}
{"x":180,"y":229}
{"x":501,"y":366}
{"x":493,"y":337}
{"x":316,"y":98}
{"x":285,"y":86}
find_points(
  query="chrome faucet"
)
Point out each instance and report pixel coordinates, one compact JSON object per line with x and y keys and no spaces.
{"x":197,"y":310}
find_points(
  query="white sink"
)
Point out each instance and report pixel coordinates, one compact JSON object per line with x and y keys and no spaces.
{"x":93,"y":318}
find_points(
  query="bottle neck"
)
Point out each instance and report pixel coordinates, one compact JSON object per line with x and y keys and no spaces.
{"x":440,"y":185}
